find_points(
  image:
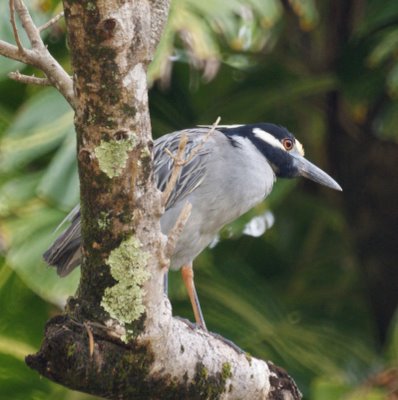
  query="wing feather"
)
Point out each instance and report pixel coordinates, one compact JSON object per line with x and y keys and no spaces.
{"x":64,"y":253}
{"x":192,"y":173}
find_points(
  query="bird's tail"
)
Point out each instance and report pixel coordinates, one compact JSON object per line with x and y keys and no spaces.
{"x":65,"y":253}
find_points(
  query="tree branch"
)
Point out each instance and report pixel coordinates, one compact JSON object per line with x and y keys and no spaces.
{"x":178,"y":162}
{"x":38,"y":56}
{"x":28,"y":24}
{"x":172,"y":361}
{"x":10,"y":51}
{"x":30,"y":80}
{"x":175,"y":232}
{"x":14,"y":26}
{"x":51,"y":22}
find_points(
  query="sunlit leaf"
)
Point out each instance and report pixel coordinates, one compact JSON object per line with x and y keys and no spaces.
{"x":60,"y":183}
{"x":15,"y":348}
{"x":307,"y":12}
{"x":17,"y":191}
{"x":22,"y":318}
{"x":39,"y":127}
{"x":29,"y":236}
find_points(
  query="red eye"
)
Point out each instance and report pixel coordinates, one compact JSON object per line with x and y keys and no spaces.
{"x":288,"y":144}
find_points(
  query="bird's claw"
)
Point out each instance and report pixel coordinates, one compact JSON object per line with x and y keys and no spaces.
{"x":194,"y":326}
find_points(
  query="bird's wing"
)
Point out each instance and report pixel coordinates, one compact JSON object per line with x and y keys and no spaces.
{"x":193,"y":170}
{"x":73,"y":214}
{"x":191,"y":175}
{"x":64,"y":252}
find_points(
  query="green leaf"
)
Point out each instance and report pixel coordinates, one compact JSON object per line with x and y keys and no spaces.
{"x":378,"y":15}
{"x":19,"y":382}
{"x":42,"y":124}
{"x":31,"y":234}
{"x":392,"y":80}
{"x":307,"y":12}
{"x":386,"y":121}
{"x":385,"y":49}
{"x":15,"y":348}
{"x":22,"y":319}
{"x":17,"y":191}
{"x":60,"y":182}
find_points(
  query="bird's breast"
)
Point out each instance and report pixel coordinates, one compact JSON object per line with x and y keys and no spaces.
{"x":234,"y":183}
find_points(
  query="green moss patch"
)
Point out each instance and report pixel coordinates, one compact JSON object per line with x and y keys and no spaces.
{"x":123,"y":301}
{"x":112,"y":155}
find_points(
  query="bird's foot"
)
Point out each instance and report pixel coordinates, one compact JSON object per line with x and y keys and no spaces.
{"x":194,"y":326}
{"x":228,"y":342}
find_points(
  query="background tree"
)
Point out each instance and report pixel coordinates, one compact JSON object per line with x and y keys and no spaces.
{"x":317,"y":291}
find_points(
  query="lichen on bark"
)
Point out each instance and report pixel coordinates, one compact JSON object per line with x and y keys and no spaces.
{"x":112,"y":155}
{"x":124,"y":300}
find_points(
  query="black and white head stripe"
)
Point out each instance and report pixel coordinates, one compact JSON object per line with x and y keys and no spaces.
{"x":269,"y":133}
{"x":268,"y":139}
{"x":282,"y":151}
{"x":277,"y":131}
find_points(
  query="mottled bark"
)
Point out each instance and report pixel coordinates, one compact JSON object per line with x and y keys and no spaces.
{"x":179,"y":363}
{"x":111,"y":48}
{"x":118,"y":339}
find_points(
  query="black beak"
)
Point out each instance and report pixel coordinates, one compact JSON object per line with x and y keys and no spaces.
{"x":308,"y":170}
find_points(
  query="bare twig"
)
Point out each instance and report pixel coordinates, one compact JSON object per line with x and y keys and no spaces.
{"x":28,"y":24}
{"x":180,"y":160}
{"x":175,"y":232}
{"x":11,"y":51}
{"x":197,"y":148}
{"x":14,"y":26}
{"x":51,"y":22}
{"x":39,"y":56}
{"x":31,"y":80}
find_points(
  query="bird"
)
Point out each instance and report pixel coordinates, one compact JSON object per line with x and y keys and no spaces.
{"x":228,"y":169}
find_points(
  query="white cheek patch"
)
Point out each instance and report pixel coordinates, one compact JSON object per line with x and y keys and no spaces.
{"x":268,"y":138}
{"x":300,"y":148}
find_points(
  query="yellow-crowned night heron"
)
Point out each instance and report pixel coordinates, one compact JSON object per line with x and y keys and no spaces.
{"x":231,"y":170}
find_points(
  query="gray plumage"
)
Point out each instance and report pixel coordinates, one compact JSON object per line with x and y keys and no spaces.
{"x":231,"y":171}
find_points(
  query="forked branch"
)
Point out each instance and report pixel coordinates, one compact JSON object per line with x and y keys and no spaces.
{"x":38,"y":55}
{"x":29,"y":79}
{"x":51,"y":22}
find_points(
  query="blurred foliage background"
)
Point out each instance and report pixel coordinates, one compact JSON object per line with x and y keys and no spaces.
{"x":318,"y":292}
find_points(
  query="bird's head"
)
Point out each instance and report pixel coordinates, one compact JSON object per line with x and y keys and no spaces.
{"x":282,"y":150}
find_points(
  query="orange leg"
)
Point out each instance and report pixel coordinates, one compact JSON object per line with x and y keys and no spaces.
{"x":187,"y":276}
